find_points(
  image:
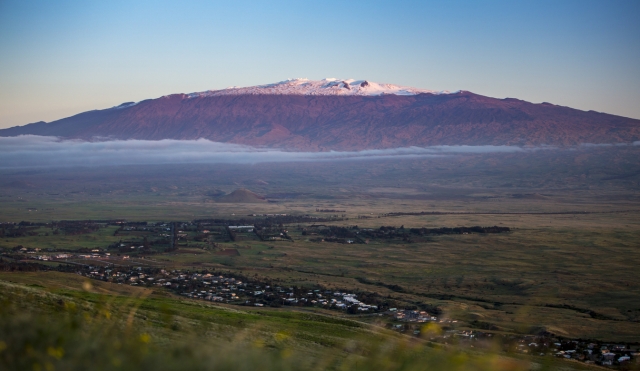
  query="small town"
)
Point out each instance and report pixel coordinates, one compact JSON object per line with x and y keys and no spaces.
{"x":233,"y":289}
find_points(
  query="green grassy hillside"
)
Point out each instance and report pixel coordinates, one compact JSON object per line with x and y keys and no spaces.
{"x":56,"y":321}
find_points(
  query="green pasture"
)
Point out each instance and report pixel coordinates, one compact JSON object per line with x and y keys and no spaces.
{"x":45,"y":239}
{"x":60,"y":321}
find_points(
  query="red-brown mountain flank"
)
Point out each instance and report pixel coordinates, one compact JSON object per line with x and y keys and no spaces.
{"x":317,"y":123}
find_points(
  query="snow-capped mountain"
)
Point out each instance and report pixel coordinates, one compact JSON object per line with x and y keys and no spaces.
{"x":337,"y":114}
{"x":328,"y":86}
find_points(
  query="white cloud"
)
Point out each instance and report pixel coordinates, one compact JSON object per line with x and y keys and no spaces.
{"x":36,"y":151}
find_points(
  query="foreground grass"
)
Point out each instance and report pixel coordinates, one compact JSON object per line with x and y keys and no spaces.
{"x":74,"y":325}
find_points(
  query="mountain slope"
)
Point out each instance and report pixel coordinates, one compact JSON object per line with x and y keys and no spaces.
{"x":300,"y":118}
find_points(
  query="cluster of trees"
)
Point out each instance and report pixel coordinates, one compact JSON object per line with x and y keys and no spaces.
{"x":277,"y":231}
{"x":266,"y":222}
{"x":402,"y":232}
{"x":21,"y":229}
{"x":72,"y":228}
{"x":354,"y":234}
{"x":458,"y":230}
{"x":17,"y":231}
{"x":11,"y":266}
{"x":339,"y":232}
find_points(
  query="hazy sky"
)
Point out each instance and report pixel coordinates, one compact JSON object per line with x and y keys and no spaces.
{"x":58,"y":58}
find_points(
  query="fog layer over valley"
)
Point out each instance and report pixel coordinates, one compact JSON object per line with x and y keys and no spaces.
{"x":197,"y":171}
{"x":35,"y":151}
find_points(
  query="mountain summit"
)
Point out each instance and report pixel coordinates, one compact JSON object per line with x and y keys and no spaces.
{"x":334,"y":114}
{"x":328,"y":86}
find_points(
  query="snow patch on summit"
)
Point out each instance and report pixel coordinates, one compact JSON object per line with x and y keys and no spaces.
{"x":328,"y":86}
{"x":125,"y":105}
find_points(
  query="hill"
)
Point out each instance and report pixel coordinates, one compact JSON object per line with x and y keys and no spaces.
{"x":66,"y":323}
{"x":242,"y":196}
{"x":327,"y":115}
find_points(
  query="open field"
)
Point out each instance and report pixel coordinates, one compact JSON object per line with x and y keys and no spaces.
{"x":45,"y":239}
{"x":518,"y":281}
{"x":568,"y":264}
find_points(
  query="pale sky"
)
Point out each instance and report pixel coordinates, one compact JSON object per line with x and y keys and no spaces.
{"x":64,"y":57}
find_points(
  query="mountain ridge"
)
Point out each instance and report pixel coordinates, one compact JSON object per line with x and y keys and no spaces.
{"x":320,"y":122}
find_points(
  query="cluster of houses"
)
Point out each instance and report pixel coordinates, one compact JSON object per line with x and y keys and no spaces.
{"x":52,"y":257}
{"x":411,"y":315}
{"x":589,"y":352}
{"x":229,"y":289}
{"x":267,"y":215}
{"x":95,"y":254}
{"x":596,"y":353}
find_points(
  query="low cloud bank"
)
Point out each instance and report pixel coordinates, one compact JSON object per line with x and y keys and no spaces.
{"x":36,"y":151}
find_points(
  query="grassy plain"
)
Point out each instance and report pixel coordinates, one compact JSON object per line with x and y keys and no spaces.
{"x":568,"y":266}
{"x":535,"y":277}
{"x":45,"y":239}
